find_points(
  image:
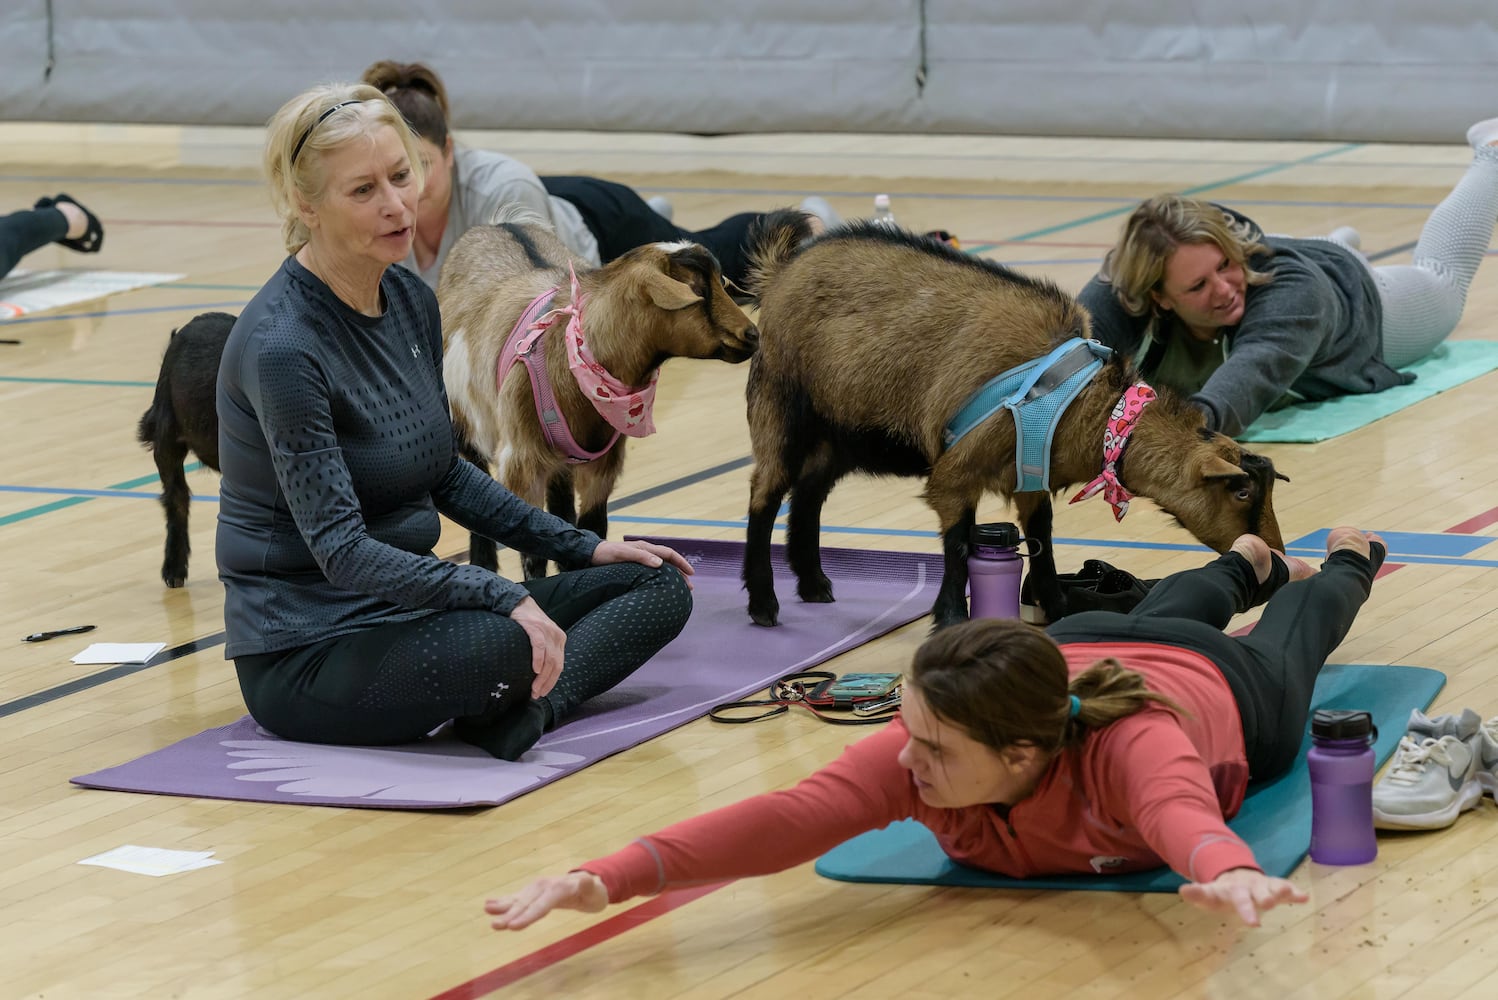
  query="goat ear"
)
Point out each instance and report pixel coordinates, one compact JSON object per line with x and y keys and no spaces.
{"x":1218,"y":467}
{"x":668,"y":293}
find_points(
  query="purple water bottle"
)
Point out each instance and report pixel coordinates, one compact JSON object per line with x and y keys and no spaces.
{"x":1341,"y":763}
{"x":993,"y":570}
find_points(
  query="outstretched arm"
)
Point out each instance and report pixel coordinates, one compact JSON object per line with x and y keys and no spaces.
{"x":1244,"y":891}
{"x":863,"y":789}
{"x":1164,"y":789}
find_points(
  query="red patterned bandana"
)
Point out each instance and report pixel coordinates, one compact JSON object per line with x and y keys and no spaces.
{"x":626,"y":408}
{"x":1115,"y":437}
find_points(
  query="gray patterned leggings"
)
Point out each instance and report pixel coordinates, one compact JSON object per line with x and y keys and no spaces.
{"x":1423,"y":300}
{"x":396,"y":682}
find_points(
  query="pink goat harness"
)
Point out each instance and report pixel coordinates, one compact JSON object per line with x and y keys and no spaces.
{"x":627,"y":409}
{"x":1115,"y":438}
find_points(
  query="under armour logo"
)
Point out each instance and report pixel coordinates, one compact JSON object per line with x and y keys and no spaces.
{"x":415,"y":351}
{"x":499,"y":691}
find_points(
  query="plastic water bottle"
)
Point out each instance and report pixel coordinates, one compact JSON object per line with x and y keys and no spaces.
{"x":883,"y":216}
{"x":1341,"y":764}
{"x":994,"y":569}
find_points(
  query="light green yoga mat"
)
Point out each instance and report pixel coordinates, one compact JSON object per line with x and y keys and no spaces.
{"x":1449,"y":365}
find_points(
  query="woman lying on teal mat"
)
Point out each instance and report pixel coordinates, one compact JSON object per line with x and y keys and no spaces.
{"x":1108,"y":743}
{"x":1242,"y":323}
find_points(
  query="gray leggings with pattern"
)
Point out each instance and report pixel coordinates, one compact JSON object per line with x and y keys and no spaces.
{"x":1423,"y":300}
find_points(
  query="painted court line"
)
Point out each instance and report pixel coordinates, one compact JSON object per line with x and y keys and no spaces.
{"x":604,"y":930}
{"x":1475,"y":524}
{"x":198,"y":307}
{"x":83,"y":496}
{"x":1199,"y":189}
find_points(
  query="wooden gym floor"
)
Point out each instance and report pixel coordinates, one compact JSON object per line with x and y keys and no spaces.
{"x":319,"y":902}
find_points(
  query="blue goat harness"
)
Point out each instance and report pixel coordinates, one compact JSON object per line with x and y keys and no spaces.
{"x":1037,"y":393}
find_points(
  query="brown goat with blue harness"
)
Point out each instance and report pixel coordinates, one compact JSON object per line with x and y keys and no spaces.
{"x":871,"y":341}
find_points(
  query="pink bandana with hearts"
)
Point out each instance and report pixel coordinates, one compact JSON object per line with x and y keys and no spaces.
{"x":627,"y":409}
{"x":1115,"y":437}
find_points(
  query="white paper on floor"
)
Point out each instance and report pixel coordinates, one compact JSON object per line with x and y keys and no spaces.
{"x":23,"y":292}
{"x":154,"y":861}
{"x":119,"y":652}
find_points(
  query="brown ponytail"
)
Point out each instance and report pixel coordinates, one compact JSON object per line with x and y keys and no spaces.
{"x":1005,"y":683}
{"x":418,"y":93}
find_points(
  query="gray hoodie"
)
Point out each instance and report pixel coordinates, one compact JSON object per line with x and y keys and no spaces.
{"x":1314,"y":331}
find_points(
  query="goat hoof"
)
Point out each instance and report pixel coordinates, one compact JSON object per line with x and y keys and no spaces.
{"x":941,"y":618}
{"x":816,"y":592}
{"x":765,"y":613}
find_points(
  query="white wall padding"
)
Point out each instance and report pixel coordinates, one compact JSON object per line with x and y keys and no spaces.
{"x":1312,"y":69}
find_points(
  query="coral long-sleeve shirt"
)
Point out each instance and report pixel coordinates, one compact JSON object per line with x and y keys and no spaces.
{"x":1148,"y":789}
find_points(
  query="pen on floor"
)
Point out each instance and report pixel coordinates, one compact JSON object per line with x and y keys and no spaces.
{"x":44,"y":636}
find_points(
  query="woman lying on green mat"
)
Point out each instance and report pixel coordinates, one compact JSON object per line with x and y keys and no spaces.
{"x":1108,"y":743}
{"x":1241,"y":322}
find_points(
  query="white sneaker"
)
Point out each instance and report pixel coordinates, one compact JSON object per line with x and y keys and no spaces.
{"x":1487,"y":757}
{"x":1433,"y":776}
{"x":661,"y":205}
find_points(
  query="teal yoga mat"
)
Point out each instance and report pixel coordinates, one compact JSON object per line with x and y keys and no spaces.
{"x":1275,"y":819}
{"x":1448,"y":366}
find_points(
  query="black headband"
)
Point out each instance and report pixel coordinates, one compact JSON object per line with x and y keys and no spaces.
{"x":297,"y":150}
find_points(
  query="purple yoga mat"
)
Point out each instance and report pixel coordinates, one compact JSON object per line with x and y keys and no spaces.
{"x":720,"y":656}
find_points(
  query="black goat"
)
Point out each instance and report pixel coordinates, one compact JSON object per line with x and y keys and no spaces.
{"x":183,"y":417}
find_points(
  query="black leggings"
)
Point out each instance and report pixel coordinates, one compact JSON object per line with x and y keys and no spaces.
{"x":1273,"y":669}
{"x":621,"y":220}
{"x":28,"y":230}
{"x":396,"y":682}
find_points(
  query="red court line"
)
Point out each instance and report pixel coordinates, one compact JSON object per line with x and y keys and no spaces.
{"x":1473,"y":525}
{"x":584,"y":939}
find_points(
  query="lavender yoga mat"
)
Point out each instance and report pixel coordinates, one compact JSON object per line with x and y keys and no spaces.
{"x":720,"y":656}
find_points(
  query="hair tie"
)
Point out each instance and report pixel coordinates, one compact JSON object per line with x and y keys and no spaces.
{"x":1076,"y":707}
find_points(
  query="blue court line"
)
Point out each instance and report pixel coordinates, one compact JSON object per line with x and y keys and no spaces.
{"x":1410,"y":543}
{"x":75,"y":381}
{"x":82,"y":496}
{"x":114,"y":493}
{"x":124,"y":312}
{"x":1436,"y":548}
{"x":1300,"y":547}
{"x":1198,"y":189}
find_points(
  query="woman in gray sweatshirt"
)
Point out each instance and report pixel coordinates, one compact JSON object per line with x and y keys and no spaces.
{"x":1240,"y":322}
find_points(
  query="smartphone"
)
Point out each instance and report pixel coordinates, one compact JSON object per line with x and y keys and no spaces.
{"x":878,"y":705}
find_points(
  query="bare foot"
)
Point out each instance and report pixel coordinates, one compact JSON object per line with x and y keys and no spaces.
{"x":77,"y":221}
{"x":1299,"y":568}
{"x":1258,"y":553}
{"x":1354,"y":539}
